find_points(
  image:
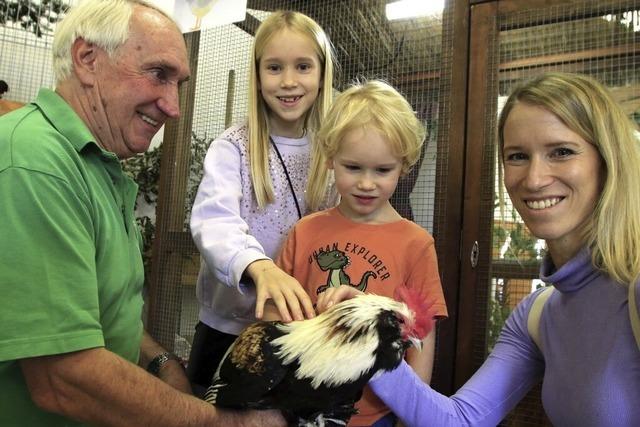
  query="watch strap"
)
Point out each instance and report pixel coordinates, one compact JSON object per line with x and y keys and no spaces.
{"x":159,"y":361}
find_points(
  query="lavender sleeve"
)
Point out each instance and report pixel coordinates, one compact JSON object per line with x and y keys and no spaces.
{"x":514,"y":366}
{"x":217,"y":226}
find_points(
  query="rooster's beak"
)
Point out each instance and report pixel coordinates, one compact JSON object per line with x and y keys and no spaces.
{"x":416,"y":342}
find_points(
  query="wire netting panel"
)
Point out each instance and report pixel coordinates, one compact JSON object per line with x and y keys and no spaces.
{"x":407,"y":53}
{"x":26,"y":34}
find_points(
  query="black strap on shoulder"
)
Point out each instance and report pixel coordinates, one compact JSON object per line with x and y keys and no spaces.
{"x":286,"y":173}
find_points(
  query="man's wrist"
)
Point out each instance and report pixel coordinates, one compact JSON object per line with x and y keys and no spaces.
{"x":158,"y":362}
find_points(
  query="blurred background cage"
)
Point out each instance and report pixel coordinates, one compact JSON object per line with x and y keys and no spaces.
{"x":407,"y":53}
{"x":26,"y":29}
{"x":455,"y":65}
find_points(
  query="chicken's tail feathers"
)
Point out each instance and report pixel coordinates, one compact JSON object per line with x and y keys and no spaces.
{"x":336,"y":417}
{"x":211,"y":396}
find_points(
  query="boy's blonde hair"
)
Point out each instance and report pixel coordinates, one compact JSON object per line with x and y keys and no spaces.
{"x":258,"y":123}
{"x":375,"y":105}
{"x":587,"y":108}
{"x":104,"y":23}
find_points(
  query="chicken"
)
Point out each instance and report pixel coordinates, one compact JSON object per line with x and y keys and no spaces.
{"x":314,"y":370}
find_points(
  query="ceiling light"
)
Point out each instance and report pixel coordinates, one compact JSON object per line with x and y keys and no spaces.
{"x":404,"y":9}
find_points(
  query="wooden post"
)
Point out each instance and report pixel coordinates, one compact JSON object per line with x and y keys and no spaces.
{"x":164,"y":298}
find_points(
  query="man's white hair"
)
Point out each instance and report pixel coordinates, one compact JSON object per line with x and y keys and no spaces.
{"x":104,"y":23}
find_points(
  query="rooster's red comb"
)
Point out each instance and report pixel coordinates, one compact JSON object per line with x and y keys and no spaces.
{"x":423,"y":309}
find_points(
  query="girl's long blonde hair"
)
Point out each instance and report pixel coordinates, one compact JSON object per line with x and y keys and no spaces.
{"x":587,"y":108}
{"x":258,"y":123}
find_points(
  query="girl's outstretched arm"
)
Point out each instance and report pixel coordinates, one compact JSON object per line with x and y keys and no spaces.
{"x":224,"y":238}
{"x":218,"y":229}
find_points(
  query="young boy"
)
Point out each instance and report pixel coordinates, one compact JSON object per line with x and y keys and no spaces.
{"x":371,"y":137}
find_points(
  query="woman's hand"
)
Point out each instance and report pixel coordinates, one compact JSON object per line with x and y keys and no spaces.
{"x":287,"y":294}
{"x":333,"y":296}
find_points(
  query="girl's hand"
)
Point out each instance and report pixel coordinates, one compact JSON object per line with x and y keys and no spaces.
{"x":287,"y":294}
{"x":333,"y":296}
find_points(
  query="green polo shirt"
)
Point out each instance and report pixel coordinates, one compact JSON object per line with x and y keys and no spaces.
{"x":70,"y":251}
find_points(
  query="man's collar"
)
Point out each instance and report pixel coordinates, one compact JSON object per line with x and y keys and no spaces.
{"x":64,"y":119}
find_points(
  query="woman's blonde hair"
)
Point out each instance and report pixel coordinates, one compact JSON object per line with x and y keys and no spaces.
{"x":258,"y":123}
{"x":587,"y":108}
{"x":101,"y":22}
{"x":375,"y":105}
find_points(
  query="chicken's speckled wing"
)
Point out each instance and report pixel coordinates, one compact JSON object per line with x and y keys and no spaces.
{"x":249,"y":371}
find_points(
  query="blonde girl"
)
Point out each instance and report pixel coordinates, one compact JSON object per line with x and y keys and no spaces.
{"x":255,"y":188}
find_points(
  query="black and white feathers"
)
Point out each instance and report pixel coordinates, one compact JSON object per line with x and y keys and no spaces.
{"x":314,"y":370}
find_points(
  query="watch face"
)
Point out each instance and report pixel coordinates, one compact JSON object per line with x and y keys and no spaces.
{"x":157,"y":362}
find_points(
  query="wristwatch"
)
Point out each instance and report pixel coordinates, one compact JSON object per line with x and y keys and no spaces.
{"x":158,"y":362}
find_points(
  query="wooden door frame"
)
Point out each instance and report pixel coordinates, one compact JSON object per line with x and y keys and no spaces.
{"x":449,"y":192}
{"x":473,"y":230}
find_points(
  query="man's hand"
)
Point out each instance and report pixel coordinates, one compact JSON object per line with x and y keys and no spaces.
{"x":97,"y":387}
{"x":262,"y":418}
{"x":287,"y":294}
{"x":333,"y":296}
{"x":173,"y":373}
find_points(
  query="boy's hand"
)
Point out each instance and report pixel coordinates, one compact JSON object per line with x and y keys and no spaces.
{"x":333,"y":296}
{"x":285,"y":291}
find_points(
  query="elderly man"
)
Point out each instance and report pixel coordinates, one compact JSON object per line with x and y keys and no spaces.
{"x":70,"y":264}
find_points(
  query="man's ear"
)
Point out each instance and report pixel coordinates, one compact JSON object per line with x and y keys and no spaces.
{"x":84,"y":57}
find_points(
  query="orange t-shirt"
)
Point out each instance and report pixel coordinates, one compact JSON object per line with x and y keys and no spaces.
{"x":326,"y":249}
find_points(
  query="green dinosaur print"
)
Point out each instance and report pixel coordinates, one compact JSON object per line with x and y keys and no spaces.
{"x":335,"y":262}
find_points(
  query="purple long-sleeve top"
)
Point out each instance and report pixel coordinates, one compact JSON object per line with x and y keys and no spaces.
{"x":590,"y":363}
{"x":231,"y":231}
